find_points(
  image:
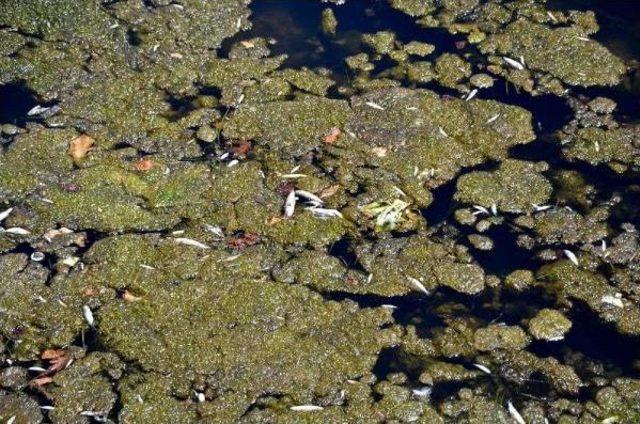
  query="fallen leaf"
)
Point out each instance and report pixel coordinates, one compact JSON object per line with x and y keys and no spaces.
{"x":53,"y":354}
{"x":143,"y":165}
{"x":41,"y":381}
{"x":333,"y":136}
{"x":248,"y":44}
{"x":242,"y":241}
{"x":241,"y":149}
{"x":128,"y":297}
{"x":80,"y":146}
{"x":273,"y":221}
{"x":329,"y":191}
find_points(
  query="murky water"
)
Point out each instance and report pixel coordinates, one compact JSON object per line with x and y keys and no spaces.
{"x":185,"y":291}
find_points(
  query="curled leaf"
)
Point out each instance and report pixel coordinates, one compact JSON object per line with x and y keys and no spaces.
{"x":80,"y":146}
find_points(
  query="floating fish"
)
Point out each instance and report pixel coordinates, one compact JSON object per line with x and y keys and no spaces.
{"x":306,"y":408}
{"x":571,"y":256}
{"x":417,"y":284}
{"x":191,"y":242}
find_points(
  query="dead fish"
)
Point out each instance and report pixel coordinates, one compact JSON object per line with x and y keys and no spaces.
{"x":423,"y":392}
{"x":443,"y":132}
{"x":11,"y":420}
{"x":290,"y":204}
{"x":603,"y":246}
{"x":540,"y":208}
{"x":612,"y":300}
{"x":147,"y":267}
{"x":5,"y":214}
{"x":513,"y":63}
{"x":480,"y":210}
{"x":215,"y":230}
{"x":36,"y":369}
{"x":374,"y":105}
{"x":324,"y":213}
{"x":310,"y":196}
{"x":417,"y":284}
{"x":493,"y":118}
{"x":17,"y":231}
{"x":369,"y":278}
{"x":88,"y":315}
{"x":233,"y":163}
{"x":483,"y":368}
{"x":47,"y":408}
{"x":494,"y":209}
{"x":191,"y":242}
{"x":200,"y":397}
{"x":37,"y":110}
{"x":306,"y":408}
{"x":472,"y":94}
{"x":571,"y":256}
{"x":293,"y":176}
{"x":514,"y":413}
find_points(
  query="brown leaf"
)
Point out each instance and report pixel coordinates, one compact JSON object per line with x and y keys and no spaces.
{"x":143,"y":165}
{"x":248,"y":44}
{"x":128,"y":297}
{"x":80,"y":146}
{"x":241,"y":149}
{"x":53,"y":354}
{"x":329,"y":191}
{"x":242,"y":241}
{"x":89,"y":292}
{"x":41,"y":381}
{"x":273,"y":221}
{"x":333,"y":136}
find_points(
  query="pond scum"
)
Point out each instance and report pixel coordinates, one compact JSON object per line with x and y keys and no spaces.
{"x":288,"y":211}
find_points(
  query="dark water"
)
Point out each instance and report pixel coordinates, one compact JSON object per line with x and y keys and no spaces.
{"x":295,"y":26}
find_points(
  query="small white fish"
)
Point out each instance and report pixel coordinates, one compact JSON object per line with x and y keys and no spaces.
{"x":309,"y":196}
{"x":177,"y":232}
{"x":294,"y":169}
{"x":5,"y":214}
{"x":88,"y":315}
{"x":387,"y":306}
{"x":306,"y":408}
{"x":114,"y":26}
{"x":513,"y":63}
{"x":369,"y":278}
{"x":399,"y":191}
{"x":191,"y":242}
{"x":493,"y":118}
{"x":290,"y":204}
{"x":215,"y":230}
{"x":443,"y":132}
{"x":224,"y":156}
{"x":240,"y":99}
{"x":37,"y":110}
{"x":233,"y":163}
{"x":325,"y":213}
{"x":540,"y":208}
{"x":17,"y":231}
{"x":612,"y":300}
{"x":483,"y":368}
{"x":423,"y":392}
{"x":603,"y":246}
{"x":555,"y":339}
{"x":139,"y":399}
{"x":583,"y":38}
{"x":47,"y":407}
{"x":571,"y":256}
{"x":550,"y":15}
{"x":480,"y":210}
{"x":597,"y":146}
{"x":472,"y":94}
{"x":374,"y":105}
{"x":11,"y":420}
{"x":514,"y":413}
{"x":293,"y":176}
{"x":417,"y":284}
{"x":200,"y":397}
{"x":36,"y":369}
{"x":494,"y":209}
{"x":71,"y":261}
{"x":146,"y":267}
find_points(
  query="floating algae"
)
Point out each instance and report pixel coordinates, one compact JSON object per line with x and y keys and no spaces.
{"x":203,"y":221}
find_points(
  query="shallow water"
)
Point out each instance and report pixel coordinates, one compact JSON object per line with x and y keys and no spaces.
{"x":595,"y":348}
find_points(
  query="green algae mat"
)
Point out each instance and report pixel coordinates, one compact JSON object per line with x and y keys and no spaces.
{"x":280,"y":211}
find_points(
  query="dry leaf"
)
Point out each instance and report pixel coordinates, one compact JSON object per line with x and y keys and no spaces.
{"x":329,"y":191}
{"x":128,"y":297}
{"x":241,"y":149}
{"x":89,"y":291}
{"x":248,"y":44}
{"x":41,"y":381}
{"x":143,"y":165}
{"x":53,"y":354}
{"x":273,"y":221}
{"x":242,"y":241}
{"x":333,"y":136}
{"x":80,"y":146}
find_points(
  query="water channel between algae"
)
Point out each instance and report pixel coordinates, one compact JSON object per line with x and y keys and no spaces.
{"x":280,"y":211}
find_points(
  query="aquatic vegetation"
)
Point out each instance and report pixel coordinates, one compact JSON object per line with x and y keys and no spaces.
{"x":417,"y":211}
